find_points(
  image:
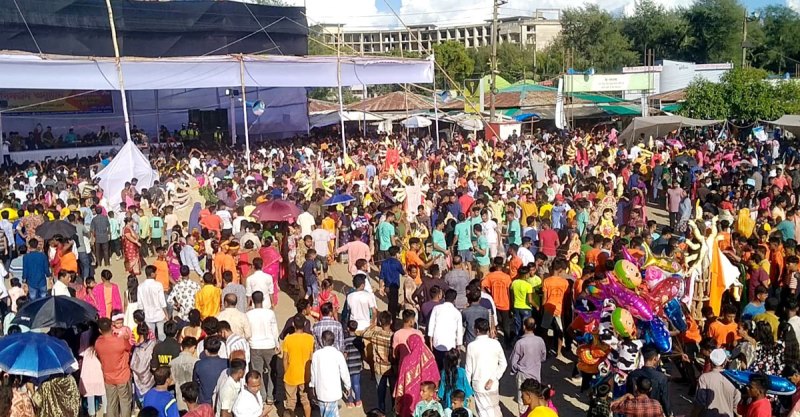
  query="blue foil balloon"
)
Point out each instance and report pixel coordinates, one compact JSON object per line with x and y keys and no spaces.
{"x":655,"y":333}
{"x":674,"y":314}
{"x":777,"y":385}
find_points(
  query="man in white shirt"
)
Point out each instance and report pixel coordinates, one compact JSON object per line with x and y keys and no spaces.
{"x":445,"y":327}
{"x":151,"y":299}
{"x":60,"y":286}
{"x":489,"y":227}
{"x":260,"y":281}
{"x":263,"y":339}
{"x":362,"y":304}
{"x":189,"y":258}
{"x":231,"y":314}
{"x":485,"y":365}
{"x":328,"y":374}
{"x":306,"y":222}
{"x":249,"y":402}
{"x":794,"y":320}
{"x":228,"y":390}
{"x":524,"y":252}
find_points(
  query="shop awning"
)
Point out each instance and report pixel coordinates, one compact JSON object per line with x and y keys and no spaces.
{"x":629,"y":110}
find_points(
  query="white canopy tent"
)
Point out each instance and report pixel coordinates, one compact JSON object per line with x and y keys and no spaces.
{"x":790,"y":122}
{"x":129,"y":163}
{"x":26,"y":70}
{"x":416,"y":122}
{"x":658,"y":126}
{"x":23,"y":70}
{"x":333,"y":117}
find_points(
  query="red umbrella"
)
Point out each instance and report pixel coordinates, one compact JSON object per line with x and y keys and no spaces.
{"x":276,"y":211}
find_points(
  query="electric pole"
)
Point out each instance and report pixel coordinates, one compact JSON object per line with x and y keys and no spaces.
{"x":495,"y":6}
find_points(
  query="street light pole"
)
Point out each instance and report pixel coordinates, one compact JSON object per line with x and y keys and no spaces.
{"x":493,"y":77}
{"x":744,"y":39}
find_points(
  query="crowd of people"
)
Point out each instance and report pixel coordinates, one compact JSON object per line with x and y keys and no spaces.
{"x":489,"y":255}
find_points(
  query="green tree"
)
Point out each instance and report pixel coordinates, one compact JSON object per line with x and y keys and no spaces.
{"x":777,"y":39}
{"x":715,"y":30}
{"x":452,"y":57}
{"x":316,"y":42}
{"x":743,"y":94}
{"x":596,"y":39}
{"x":654,"y":27}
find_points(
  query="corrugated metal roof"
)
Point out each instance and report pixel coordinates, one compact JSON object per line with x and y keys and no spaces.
{"x":394,"y":102}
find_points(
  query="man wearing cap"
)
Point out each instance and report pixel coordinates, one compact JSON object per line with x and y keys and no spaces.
{"x":716,"y":395}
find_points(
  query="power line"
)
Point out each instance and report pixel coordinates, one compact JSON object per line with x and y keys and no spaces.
{"x":28,"y":27}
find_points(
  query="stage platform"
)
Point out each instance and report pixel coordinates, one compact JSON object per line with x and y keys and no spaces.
{"x":60,"y":153}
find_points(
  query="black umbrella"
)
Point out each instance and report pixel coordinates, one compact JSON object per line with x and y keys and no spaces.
{"x":59,"y":311}
{"x":686,"y":160}
{"x":48,"y":230}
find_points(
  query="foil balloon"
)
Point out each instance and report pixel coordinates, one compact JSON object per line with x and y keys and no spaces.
{"x":653,"y":276}
{"x":628,"y":274}
{"x":623,"y":322}
{"x":674,"y":314}
{"x":585,"y":322}
{"x":591,"y":355}
{"x":584,"y":338}
{"x":637,"y":305}
{"x":661,"y":262}
{"x":670,"y":288}
{"x":655,"y":332}
{"x":628,"y":256}
{"x":777,"y":385}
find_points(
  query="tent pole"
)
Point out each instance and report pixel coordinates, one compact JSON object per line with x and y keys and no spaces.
{"x":339,"y":84}
{"x":435,"y":105}
{"x":158,"y":118}
{"x":244,"y":113}
{"x":119,"y":71}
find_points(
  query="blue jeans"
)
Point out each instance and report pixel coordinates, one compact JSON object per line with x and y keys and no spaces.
{"x":312,"y":291}
{"x":85,"y":261}
{"x":36,"y":293}
{"x":355,"y":388}
{"x":384,"y":383}
{"x":520,"y":314}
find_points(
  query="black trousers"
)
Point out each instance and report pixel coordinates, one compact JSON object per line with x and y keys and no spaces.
{"x":506,"y":323}
{"x":102,"y":253}
{"x":393,"y":300}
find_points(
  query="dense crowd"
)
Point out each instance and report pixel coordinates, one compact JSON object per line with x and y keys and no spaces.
{"x":492,"y":257}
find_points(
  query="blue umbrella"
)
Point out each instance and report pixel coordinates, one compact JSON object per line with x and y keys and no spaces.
{"x":35,"y":355}
{"x":339,"y":199}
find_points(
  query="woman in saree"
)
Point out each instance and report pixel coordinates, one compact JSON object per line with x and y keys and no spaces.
{"x":417,"y":365}
{"x":271,"y":258}
{"x":174,"y":261}
{"x":130,"y":248}
{"x":745,"y":225}
{"x":246,"y":257}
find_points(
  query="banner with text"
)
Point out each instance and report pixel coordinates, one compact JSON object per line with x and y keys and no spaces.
{"x":472,"y":96}
{"x":580,"y":83}
{"x":27,"y":102}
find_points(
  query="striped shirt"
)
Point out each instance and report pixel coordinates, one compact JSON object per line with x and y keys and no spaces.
{"x":352,"y":353}
{"x":236,"y":342}
{"x":328,"y":323}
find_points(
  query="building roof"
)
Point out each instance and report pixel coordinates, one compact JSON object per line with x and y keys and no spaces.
{"x":518,"y":97}
{"x":394,"y":102}
{"x":671,"y":96}
{"x":316,"y":106}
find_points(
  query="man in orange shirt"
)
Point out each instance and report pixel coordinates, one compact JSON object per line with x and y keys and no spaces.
{"x":212,"y":222}
{"x":224,"y":261}
{"x":514,"y":261}
{"x":554,"y":290}
{"x":725,"y":329}
{"x":497,"y":283}
{"x":593,"y":253}
{"x":412,"y":258}
{"x":776,"y":261}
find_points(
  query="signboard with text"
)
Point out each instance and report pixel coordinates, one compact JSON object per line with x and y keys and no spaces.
{"x":580,"y":83}
{"x":28,"y":102}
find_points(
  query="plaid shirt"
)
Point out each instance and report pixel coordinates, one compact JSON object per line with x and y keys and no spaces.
{"x":328,"y":323}
{"x":639,"y":406}
{"x":381,"y":348}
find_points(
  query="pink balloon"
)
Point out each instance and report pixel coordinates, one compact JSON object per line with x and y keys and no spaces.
{"x":653,"y":276}
{"x":628,"y":256}
{"x":637,"y":305}
{"x":668,"y":289}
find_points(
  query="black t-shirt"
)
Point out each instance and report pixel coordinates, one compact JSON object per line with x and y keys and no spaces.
{"x":164,"y":352}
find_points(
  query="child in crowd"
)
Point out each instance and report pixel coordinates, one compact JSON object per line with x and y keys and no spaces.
{"x":427,"y":394}
{"x":310,"y":272}
{"x":456,"y":405}
{"x":15,"y":292}
{"x":118,"y":326}
{"x":353,"y":345}
{"x":599,"y":403}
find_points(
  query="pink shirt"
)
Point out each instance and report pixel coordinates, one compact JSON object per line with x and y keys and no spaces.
{"x":355,"y":250}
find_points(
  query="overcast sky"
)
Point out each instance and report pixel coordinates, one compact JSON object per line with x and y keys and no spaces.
{"x":378,"y":13}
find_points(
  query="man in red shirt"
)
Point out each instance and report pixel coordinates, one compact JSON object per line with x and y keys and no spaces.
{"x":548,"y":240}
{"x":114,"y":353}
{"x":757,"y":405}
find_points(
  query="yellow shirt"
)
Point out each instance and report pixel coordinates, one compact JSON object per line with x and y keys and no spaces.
{"x":528,"y":209}
{"x":542,"y":411}
{"x":544,"y":211}
{"x":207,"y":300}
{"x":297,"y":347}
